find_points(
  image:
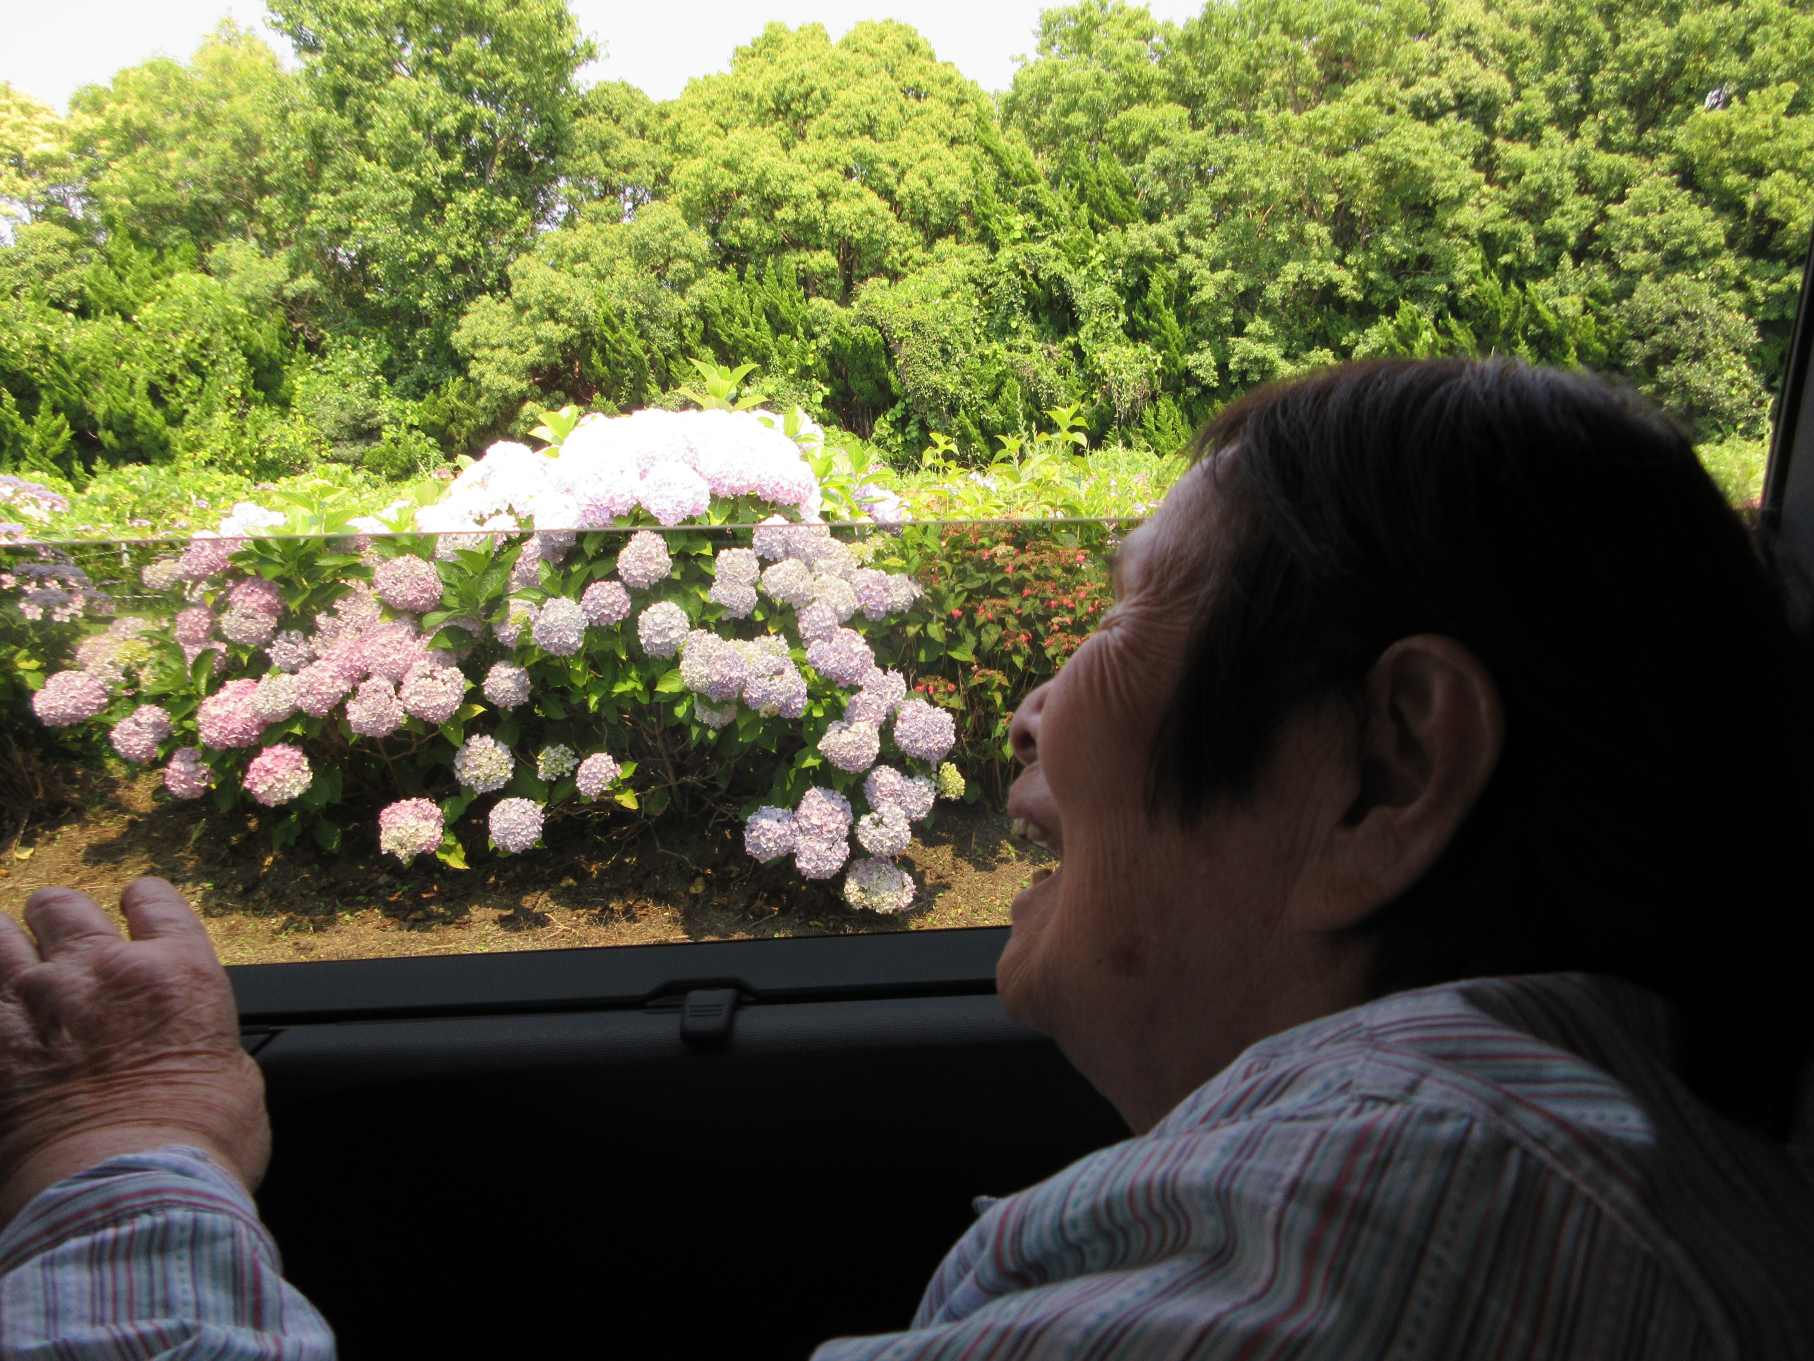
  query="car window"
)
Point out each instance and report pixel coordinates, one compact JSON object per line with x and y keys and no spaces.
{"x":364,"y":745}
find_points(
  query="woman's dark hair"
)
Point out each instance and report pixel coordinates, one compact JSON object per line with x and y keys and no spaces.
{"x":1651,"y":814}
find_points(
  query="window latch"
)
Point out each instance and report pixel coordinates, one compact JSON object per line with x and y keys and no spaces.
{"x":705,"y":1016}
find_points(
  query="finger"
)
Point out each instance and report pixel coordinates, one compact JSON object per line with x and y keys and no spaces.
{"x":156,"y":911}
{"x":61,"y":917}
{"x":16,"y":950}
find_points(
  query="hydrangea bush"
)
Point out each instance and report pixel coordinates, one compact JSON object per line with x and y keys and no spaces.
{"x":561,"y":627}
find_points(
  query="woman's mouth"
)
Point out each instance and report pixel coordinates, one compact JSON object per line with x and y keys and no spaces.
{"x":1025,"y":829}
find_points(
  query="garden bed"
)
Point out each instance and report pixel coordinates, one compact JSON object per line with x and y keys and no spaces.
{"x":616,"y":882}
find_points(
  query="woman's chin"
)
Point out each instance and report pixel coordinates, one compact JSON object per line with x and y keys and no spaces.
{"x":1033,"y":904}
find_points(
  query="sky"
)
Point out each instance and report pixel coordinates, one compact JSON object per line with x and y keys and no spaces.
{"x":50,"y":50}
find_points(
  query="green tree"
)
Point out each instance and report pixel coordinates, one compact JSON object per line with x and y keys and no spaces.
{"x":430,"y":151}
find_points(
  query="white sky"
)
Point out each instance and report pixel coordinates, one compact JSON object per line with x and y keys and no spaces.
{"x":51,"y":49}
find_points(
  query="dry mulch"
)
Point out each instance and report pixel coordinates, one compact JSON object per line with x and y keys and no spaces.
{"x":607,"y":880}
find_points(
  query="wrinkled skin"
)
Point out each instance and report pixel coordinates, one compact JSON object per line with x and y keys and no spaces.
{"x":1157,"y":952}
{"x":112,"y":1045}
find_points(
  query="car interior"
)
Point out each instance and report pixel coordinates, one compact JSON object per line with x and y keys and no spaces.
{"x":725,"y":1148}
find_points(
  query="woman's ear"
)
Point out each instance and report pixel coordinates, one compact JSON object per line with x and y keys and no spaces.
{"x":1432,"y":731}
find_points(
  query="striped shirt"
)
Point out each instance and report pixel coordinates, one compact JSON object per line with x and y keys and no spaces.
{"x":1504,"y":1168}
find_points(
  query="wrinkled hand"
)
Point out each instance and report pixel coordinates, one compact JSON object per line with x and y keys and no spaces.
{"x":111,"y":1046}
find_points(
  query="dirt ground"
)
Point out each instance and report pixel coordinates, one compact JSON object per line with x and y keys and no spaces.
{"x":602,"y":881}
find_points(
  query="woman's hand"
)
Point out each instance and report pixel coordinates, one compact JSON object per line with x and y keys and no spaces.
{"x":111,"y":1046}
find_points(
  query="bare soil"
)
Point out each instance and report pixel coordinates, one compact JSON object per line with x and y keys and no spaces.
{"x":602,"y":881}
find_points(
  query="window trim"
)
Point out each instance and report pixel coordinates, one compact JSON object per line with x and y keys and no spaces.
{"x":931,"y":963}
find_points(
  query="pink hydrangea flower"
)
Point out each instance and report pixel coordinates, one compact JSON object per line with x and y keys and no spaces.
{"x":275,"y":698}
{"x":519,"y":615}
{"x":672,"y":492}
{"x":780,"y":693}
{"x":226,"y":718}
{"x":320,"y":686}
{"x":67,"y":698}
{"x":596,"y":774}
{"x":375,"y":710}
{"x":193,"y":627}
{"x":409,"y":828}
{"x":433,"y":689}
{"x":738,"y":598}
{"x":278,"y":774}
{"x":516,"y":824}
{"x":851,"y":747}
{"x":406,"y":582}
{"x":389,"y":650}
{"x":206,"y":556}
{"x":878,"y":886}
{"x":823,"y":813}
{"x":483,"y":764}
{"x":661,"y":629}
{"x":136,"y":736}
{"x":507,"y":685}
{"x":560,"y":629}
{"x":605,"y":603}
{"x":185,"y":776}
{"x":290,"y":651}
{"x":644,"y":560}
{"x":712,"y":667}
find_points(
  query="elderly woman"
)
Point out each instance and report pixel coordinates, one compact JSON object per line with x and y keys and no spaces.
{"x":1430,"y":805}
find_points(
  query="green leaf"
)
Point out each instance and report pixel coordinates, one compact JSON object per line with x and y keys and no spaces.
{"x":670,"y":683}
{"x":285,"y":832}
{"x":658,"y":799}
{"x":508,"y":732}
{"x":451,"y":853}
{"x":327,"y":835}
{"x":626,"y":797}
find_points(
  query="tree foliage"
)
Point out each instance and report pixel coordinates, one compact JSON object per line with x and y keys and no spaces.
{"x":430,"y":231}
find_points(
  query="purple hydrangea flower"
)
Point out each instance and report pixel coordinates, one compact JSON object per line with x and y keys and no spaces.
{"x":555,"y":760}
{"x":644,"y":560}
{"x":866,"y":707}
{"x":526,"y":571}
{"x":817,"y":621}
{"x":290,"y":651}
{"x":769,"y":833}
{"x":738,"y":598}
{"x":878,"y":886}
{"x":885,"y":785}
{"x":278,"y":774}
{"x":884,"y":832}
{"x":595,"y":774}
{"x":560,"y":629}
{"x":410,"y":827}
{"x":352,"y":614}
{"x":483,"y":764}
{"x":851,"y":747}
{"x":778,"y":693}
{"x":714,"y":717}
{"x":160,"y":575}
{"x":923,"y":732}
{"x":432,"y":690}
{"x":185,"y":776}
{"x":835,"y":595}
{"x":516,"y":825}
{"x":69,"y":697}
{"x":256,"y":595}
{"x":712,"y":667}
{"x":672,"y":492}
{"x":823,"y":814}
{"x":605,"y":603}
{"x":770,"y":538}
{"x":275,"y":698}
{"x":841,"y":658}
{"x":661,"y":629}
{"x":916,"y":797}
{"x":226,"y":718}
{"x":320,"y":686}
{"x":817,"y":858}
{"x":408,"y":583}
{"x":507,"y":685}
{"x":791,"y":581}
{"x":888,"y":686}
{"x":375,"y":710}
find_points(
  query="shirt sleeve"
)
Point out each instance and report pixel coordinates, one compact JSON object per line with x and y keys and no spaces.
{"x":156,"y":1254}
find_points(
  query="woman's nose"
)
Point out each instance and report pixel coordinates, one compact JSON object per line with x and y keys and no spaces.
{"x":1023,"y":732}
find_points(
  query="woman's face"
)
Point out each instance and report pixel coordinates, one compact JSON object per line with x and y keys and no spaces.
{"x":1157,"y":952}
